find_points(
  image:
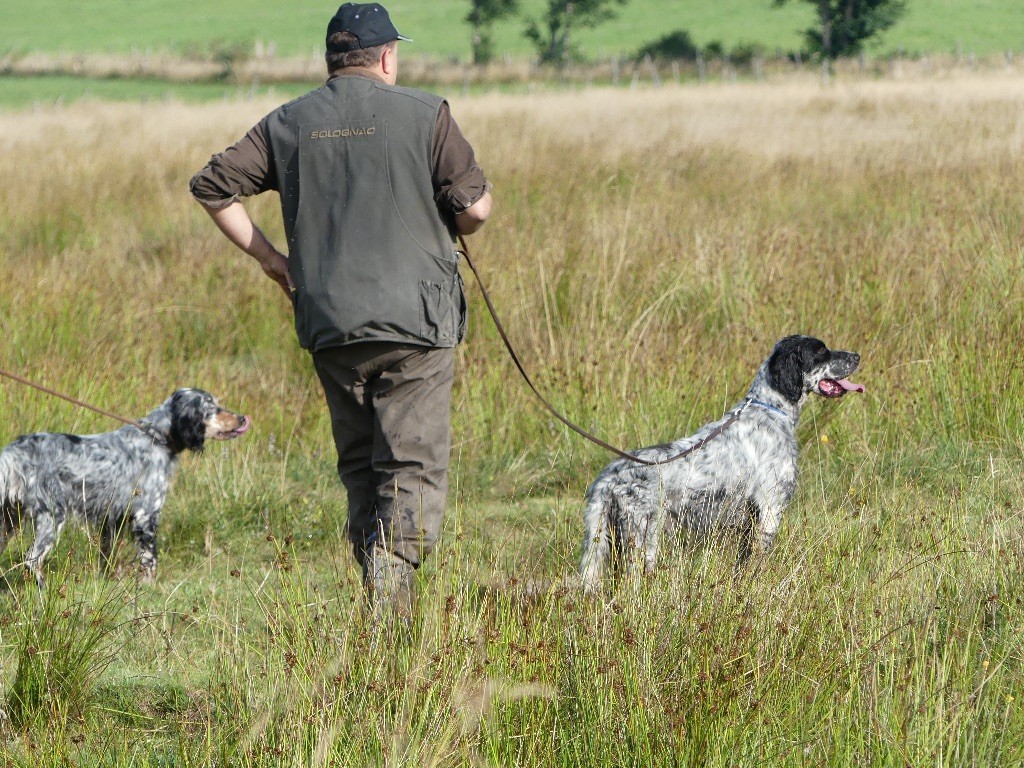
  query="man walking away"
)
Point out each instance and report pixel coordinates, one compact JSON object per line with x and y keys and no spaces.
{"x":375,"y":182}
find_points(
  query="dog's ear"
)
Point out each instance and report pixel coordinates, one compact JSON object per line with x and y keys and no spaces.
{"x":786,"y":369}
{"x":188,"y":427}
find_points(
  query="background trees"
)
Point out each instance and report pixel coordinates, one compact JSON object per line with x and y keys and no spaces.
{"x":845,"y":25}
{"x":482,"y":15}
{"x":551,"y":35}
{"x":841,"y":27}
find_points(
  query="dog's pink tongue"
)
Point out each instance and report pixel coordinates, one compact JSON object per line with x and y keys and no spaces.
{"x":849,"y":386}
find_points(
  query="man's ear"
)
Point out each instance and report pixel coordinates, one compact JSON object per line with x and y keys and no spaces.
{"x":389,"y":59}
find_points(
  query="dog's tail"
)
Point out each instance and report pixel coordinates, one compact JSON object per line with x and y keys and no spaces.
{"x":597,"y":541}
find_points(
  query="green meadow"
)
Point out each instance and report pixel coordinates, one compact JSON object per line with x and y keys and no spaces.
{"x":645,"y":267}
{"x":201,"y":26}
{"x":21,"y":92}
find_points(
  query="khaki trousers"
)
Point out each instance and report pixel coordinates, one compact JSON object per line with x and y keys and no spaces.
{"x":390,"y":410}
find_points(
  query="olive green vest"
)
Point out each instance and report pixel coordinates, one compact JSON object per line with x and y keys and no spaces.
{"x":371,"y":256}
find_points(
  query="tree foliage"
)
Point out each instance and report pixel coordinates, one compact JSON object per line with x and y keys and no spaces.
{"x":845,"y":25}
{"x":482,"y":15}
{"x":551,"y":35}
{"x":672,"y":45}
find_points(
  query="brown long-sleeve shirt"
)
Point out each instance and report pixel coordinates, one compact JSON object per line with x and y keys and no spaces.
{"x":247,"y":168}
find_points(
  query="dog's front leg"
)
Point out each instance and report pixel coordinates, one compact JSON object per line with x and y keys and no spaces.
{"x":769,"y":520}
{"x":769,"y":499}
{"x":756,"y":536}
{"x":144,"y":524}
{"x":108,"y":540}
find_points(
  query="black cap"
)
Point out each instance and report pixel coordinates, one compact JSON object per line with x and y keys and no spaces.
{"x":368,"y":22}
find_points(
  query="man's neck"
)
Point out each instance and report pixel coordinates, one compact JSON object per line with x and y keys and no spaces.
{"x":370,"y":74}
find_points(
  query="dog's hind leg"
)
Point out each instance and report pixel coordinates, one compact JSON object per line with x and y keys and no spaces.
{"x":10,"y":521}
{"x":639,"y":521}
{"x":654,"y":529}
{"x":597,"y":539}
{"x":47,"y":532}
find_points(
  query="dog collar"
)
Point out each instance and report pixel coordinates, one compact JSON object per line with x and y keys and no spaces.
{"x":767,"y":406}
{"x":153,"y":433}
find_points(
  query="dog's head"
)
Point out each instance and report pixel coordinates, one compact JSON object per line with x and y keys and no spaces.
{"x":196,"y":417}
{"x":802,"y":364}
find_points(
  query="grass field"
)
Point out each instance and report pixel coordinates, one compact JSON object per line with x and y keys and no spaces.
{"x":645,"y":265}
{"x":48,"y":90}
{"x":937,"y":26}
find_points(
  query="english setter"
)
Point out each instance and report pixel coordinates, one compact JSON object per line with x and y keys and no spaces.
{"x":114,"y":480}
{"x":741,"y":479}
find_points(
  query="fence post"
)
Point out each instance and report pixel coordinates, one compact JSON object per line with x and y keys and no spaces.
{"x":655,"y":77}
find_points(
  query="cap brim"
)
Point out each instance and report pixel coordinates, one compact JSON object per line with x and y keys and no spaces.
{"x":405,"y":39}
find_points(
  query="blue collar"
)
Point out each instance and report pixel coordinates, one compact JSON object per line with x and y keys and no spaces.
{"x":767,"y":407}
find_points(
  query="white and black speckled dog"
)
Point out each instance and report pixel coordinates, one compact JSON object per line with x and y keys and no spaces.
{"x":741,"y":479}
{"x":114,"y":480}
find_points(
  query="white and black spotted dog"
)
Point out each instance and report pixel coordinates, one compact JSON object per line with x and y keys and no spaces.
{"x":115,"y":480}
{"x":741,"y":479}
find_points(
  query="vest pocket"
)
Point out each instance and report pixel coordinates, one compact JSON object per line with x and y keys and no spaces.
{"x":442,"y":314}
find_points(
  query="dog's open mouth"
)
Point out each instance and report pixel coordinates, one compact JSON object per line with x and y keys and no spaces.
{"x":238,"y":431}
{"x":837,"y":387}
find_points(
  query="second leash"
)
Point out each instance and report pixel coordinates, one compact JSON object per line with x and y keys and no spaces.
{"x":733,"y":417}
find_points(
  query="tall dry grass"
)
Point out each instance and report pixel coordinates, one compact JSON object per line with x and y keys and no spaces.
{"x":647,"y":249}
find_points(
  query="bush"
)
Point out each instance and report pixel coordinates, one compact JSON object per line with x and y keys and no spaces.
{"x":674,"y":45}
{"x":743,"y":54}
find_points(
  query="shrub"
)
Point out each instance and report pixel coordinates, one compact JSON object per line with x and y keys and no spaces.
{"x":675,"y":45}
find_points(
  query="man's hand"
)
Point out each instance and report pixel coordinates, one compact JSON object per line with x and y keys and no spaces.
{"x":233,"y":220}
{"x":275,"y":266}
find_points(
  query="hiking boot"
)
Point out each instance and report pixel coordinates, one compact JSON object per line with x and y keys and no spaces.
{"x":388,"y":582}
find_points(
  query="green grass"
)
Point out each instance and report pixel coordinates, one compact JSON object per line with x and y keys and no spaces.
{"x":644,"y":266}
{"x":20,"y":92}
{"x":981,"y":26}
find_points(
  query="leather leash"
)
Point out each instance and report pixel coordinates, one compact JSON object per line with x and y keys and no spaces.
{"x":156,"y":437}
{"x":733,"y":417}
{"x":146,"y":429}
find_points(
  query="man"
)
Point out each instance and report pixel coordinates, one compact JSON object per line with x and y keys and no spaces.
{"x":375,"y":181}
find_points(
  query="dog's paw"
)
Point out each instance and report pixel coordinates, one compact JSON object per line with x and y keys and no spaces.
{"x":147,"y":573}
